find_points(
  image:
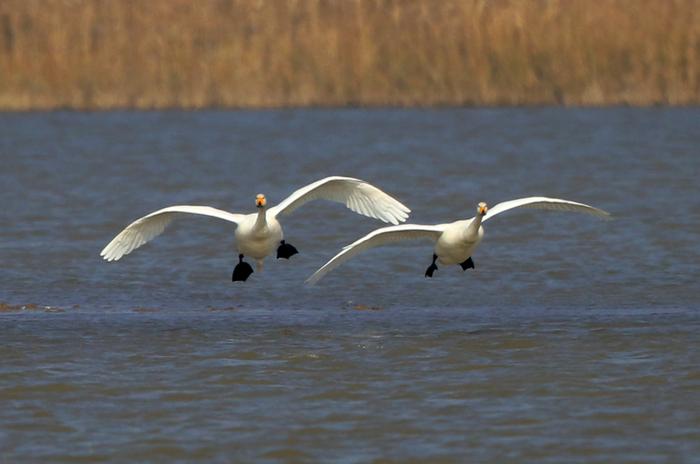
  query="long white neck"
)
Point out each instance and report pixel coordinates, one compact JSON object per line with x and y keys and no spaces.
{"x":473,"y":227}
{"x":261,"y":220}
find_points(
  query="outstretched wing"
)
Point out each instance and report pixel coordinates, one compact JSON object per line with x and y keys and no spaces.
{"x":376,"y":238}
{"x":545,"y":203}
{"x":358,"y":195}
{"x":145,"y":229}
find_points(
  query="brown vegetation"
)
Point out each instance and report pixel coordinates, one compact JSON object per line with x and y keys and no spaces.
{"x":263,"y":53}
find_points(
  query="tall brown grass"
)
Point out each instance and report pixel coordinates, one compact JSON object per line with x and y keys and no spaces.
{"x":262,"y":53}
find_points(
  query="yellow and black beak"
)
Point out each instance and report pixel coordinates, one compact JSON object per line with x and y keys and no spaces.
{"x":260,"y":201}
{"x":483,"y":209}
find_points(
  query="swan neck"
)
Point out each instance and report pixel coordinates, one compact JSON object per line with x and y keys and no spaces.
{"x":261,"y":220}
{"x":473,"y":226}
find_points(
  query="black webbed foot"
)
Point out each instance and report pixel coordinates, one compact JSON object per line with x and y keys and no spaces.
{"x":242,"y":270}
{"x":432,"y":268}
{"x":468,"y":264}
{"x":286,"y":250}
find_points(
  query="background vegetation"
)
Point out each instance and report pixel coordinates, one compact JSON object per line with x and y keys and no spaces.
{"x":99,"y":54}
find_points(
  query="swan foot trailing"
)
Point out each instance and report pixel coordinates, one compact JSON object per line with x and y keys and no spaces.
{"x":468,"y":264}
{"x":286,"y":250}
{"x":242,"y":270}
{"x":432,"y":268}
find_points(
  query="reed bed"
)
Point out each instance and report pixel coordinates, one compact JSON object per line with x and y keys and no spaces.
{"x":102,"y":54}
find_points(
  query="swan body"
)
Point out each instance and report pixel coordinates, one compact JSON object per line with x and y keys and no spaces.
{"x":259,"y":234}
{"x":454,"y":242}
{"x":457,"y":242}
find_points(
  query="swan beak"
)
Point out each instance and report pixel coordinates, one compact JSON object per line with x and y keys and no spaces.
{"x":483,"y":209}
{"x":260,"y":201}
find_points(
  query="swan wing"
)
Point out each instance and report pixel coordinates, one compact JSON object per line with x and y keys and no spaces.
{"x":377,"y":238}
{"x":358,"y":195}
{"x":545,"y":203}
{"x":148,"y":227}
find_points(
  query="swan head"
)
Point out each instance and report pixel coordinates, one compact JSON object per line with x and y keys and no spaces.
{"x":482,"y":208}
{"x":260,"y":200}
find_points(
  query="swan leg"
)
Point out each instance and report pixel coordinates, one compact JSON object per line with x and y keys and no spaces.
{"x":468,"y":264}
{"x":286,"y":250}
{"x":432,"y":268}
{"x":242,"y":270}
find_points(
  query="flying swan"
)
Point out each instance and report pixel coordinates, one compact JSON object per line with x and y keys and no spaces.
{"x":258,"y":234}
{"x":454,"y":242}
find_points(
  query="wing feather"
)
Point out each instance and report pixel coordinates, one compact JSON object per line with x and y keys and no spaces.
{"x":545,"y":203}
{"x":143,"y":230}
{"x":357,"y":195}
{"x":377,"y":238}
{"x":366,"y":208}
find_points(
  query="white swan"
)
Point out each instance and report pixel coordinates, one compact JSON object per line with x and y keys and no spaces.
{"x":454,"y":242}
{"x":258,"y":234}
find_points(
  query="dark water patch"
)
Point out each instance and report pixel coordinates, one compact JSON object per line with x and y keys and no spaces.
{"x":573,"y":340}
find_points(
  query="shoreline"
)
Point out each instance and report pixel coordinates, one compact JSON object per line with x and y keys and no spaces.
{"x":165,"y":54}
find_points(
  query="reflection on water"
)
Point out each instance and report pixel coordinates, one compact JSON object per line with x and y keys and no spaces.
{"x":571,"y":341}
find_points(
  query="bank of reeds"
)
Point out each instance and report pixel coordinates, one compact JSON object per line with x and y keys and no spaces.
{"x":99,"y":54}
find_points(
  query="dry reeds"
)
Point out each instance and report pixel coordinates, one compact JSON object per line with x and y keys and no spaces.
{"x":99,"y":54}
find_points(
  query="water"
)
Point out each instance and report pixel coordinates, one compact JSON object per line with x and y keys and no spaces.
{"x":574,"y":340}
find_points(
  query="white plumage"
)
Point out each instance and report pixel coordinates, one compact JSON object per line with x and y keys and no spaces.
{"x":258,"y":234}
{"x":145,"y":229}
{"x":454,"y":242}
{"x":357,"y":195}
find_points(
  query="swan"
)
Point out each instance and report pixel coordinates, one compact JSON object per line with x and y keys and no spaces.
{"x":455,"y":241}
{"x":258,"y":234}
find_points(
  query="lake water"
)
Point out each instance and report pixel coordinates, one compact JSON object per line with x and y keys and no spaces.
{"x":573,"y":340}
